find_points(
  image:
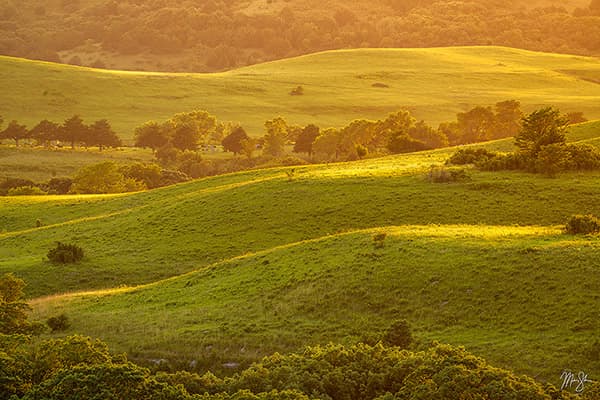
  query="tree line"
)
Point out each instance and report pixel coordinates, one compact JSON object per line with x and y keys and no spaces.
{"x":73,"y":131}
{"x":541,"y":147}
{"x":218,"y":34}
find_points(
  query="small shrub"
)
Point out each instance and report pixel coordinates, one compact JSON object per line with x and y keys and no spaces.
{"x":297,"y":91}
{"x":59,"y":323}
{"x":65,"y":253}
{"x":26,"y":191}
{"x":379,"y":239}
{"x":399,"y":334}
{"x":443,"y":175}
{"x":470,"y":156}
{"x":583,"y":224}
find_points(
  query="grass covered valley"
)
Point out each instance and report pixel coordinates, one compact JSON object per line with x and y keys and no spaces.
{"x":289,"y":281}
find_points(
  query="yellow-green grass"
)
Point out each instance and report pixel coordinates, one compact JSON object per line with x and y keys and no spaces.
{"x":40,"y":164}
{"x":143,"y":237}
{"x":433,"y":83}
{"x":525,"y":298}
{"x":237,"y":266}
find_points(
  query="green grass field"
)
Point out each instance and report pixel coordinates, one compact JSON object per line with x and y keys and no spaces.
{"x":433,"y":83}
{"x":233,"y":267}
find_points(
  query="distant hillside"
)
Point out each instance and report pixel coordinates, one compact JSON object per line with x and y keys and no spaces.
{"x":196,"y":36}
{"x":339,"y":86}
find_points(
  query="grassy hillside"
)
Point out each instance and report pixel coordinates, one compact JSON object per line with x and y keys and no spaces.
{"x":510,"y":294}
{"x":433,"y":83}
{"x":233,"y":267}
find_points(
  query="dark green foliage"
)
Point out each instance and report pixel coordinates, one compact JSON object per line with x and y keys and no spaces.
{"x":233,"y":141}
{"x":583,"y":157}
{"x":552,"y":158}
{"x":470,"y":155}
{"x":101,"y":134}
{"x":369,"y":372}
{"x":583,"y":224}
{"x":104,"y":382}
{"x":443,"y":175}
{"x":15,"y":131}
{"x":59,"y":185}
{"x":14,"y":309}
{"x":306,"y":138}
{"x":402,"y":143}
{"x":59,"y":323}
{"x":65,"y":253}
{"x":399,"y":335}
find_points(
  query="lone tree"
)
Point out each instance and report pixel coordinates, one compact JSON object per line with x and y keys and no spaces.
{"x":541,"y":128}
{"x":234,"y":141}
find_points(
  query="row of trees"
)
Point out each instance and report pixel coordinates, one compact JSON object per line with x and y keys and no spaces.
{"x":73,"y":131}
{"x":221,"y":34}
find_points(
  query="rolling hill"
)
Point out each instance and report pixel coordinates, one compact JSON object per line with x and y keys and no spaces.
{"x":227,"y":269}
{"x":433,"y":83}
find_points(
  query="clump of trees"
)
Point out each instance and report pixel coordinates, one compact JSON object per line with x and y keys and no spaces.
{"x":541,"y":147}
{"x":72,"y":131}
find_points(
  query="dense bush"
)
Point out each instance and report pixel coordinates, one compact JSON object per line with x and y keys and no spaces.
{"x":470,"y":155}
{"x":65,"y":253}
{"x":13,"y":183}
{"x":444,"y":175}
{"x":369,"y":372}
{"x":583,"y":224}
{"x":59,"y":185}
{"x":105,"y":381}
{"x":399,"y":335}
{"x":509,"y":161}
{"x":583,"y":157}
{"x":105,"y":177}
{"x":59,"y":323}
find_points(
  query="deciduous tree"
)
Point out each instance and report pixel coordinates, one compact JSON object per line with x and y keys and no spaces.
{"x":150,"y":135}
{"x":541,"y":128}
{"x":275,"y":136}
{"x":73,"y":130}
{"x":233,"y":141}
{"x":306,"y":138}
{"x":15,"y":131}
{"x":101,"y":134}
